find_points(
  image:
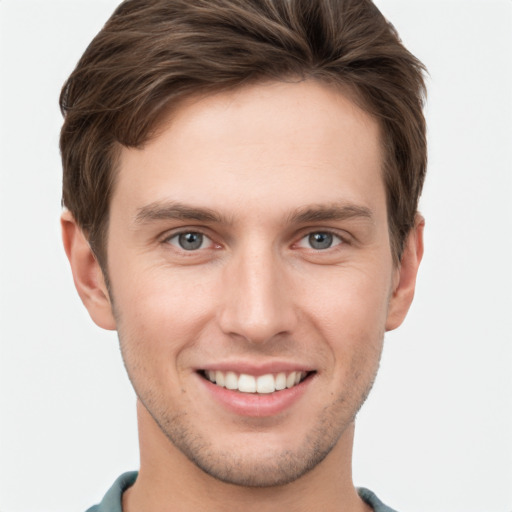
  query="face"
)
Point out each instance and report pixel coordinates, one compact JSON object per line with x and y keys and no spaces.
{"x":252,"y":277}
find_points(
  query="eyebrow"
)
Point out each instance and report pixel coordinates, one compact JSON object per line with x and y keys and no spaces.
{"x":172,"y":210}
{"x":176,"y":211}
{"x":330,"y":212}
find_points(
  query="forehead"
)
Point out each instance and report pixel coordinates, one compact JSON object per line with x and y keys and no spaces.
{"x":265,"y":147}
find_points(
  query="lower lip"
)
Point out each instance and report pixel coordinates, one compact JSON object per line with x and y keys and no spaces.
{"x":254,"y":404}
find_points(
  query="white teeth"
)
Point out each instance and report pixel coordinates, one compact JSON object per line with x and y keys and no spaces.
{"x":280,"y":381}
{"x":219,"y":378}
{"x":245,"y":383}
{"x":265,"y":384}
{"x":231,"y":380}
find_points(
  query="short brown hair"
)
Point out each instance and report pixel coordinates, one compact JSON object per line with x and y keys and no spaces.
{"x":153,"y":53}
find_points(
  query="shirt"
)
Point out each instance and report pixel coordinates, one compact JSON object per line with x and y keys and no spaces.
{"x":112,"y":501}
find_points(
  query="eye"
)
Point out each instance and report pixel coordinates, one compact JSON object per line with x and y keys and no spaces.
{"x":190,"y":241}
{"x":320,"y":240}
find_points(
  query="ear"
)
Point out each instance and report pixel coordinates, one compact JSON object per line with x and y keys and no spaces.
{"x":87,"y":273}
{"x":405,"y":278}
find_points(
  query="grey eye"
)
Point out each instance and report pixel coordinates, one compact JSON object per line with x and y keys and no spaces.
{"x":320,"y":240}
{"x":190,"y":241}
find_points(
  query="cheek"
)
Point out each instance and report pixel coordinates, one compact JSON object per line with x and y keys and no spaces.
{"x":347,"y":299}
{"x":160,"y":314}
{"x":349,"y":309}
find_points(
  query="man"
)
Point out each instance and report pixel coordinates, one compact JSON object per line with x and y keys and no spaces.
{"x":241,"y":181}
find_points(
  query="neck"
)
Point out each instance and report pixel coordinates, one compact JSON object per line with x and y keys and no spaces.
{"x":168,"y":481}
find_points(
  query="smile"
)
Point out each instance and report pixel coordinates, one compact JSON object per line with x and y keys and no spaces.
{"x":245,"y":383}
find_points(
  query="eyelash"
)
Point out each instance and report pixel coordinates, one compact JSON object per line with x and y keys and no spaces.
{"x":331,"y":234}
{"x":176,"y":236}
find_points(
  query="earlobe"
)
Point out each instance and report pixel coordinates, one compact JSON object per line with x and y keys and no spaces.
{"x":87,"y":273}
{"x":403,"y":292}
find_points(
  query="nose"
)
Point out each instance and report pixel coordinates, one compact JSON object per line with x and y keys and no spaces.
{"x":256,"y":303}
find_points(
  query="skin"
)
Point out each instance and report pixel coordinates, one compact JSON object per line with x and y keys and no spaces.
{"x":256,"y":292}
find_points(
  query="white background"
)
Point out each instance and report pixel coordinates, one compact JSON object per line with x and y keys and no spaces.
{"x":436,"y":434}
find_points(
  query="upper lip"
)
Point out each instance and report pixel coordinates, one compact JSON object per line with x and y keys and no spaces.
{"x":257,"y":369}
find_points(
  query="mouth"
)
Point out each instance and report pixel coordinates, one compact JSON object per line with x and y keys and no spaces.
{"x":261,"y":384}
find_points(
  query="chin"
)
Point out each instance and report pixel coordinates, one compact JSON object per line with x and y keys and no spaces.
{"x":269,"y":469}
{"x":257,"y":459}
